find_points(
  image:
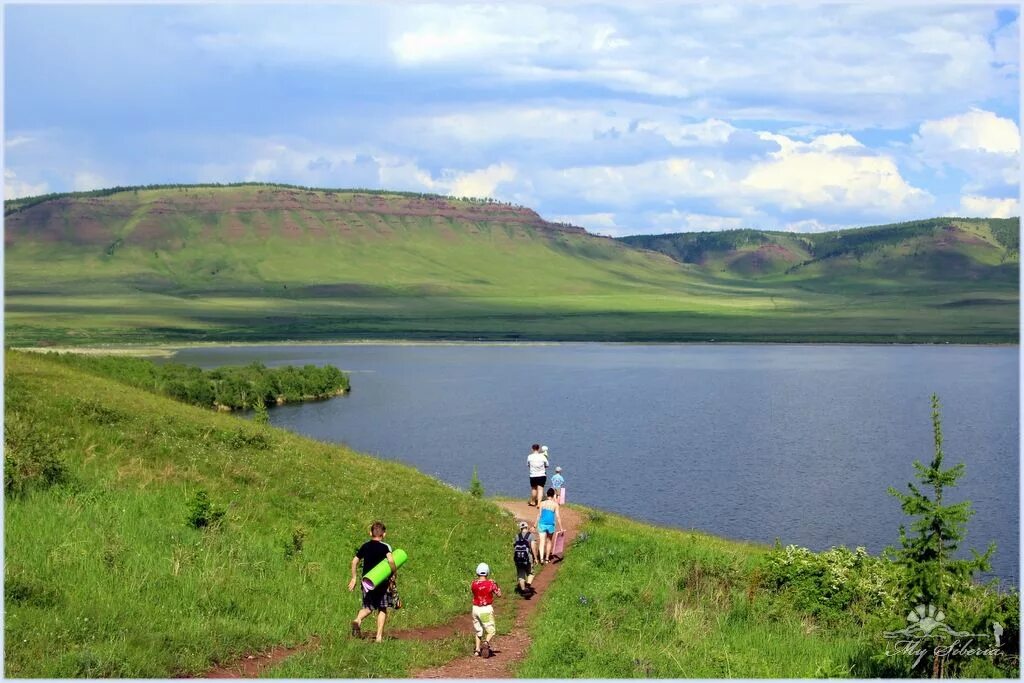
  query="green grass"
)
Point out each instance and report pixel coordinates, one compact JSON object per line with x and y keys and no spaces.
{"x":104,"y":576}
{"x":636,"y":601}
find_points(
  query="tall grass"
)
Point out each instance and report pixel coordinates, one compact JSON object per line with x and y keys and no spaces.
{"x":106,"y":576}
{"x":638,"y":601}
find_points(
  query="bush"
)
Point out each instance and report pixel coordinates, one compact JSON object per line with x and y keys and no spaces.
{"x":30,"y":457}
{"x":834,"y":584}
{"x":203,"y":514}
{"x":293,"y":546}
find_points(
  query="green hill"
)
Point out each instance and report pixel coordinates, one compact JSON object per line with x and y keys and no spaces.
{"x":268,"y":262}
{"x":939,"y":249}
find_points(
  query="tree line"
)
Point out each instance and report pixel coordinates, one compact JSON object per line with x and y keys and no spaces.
{"x":15,"y":205}
{"x":249,"y":386}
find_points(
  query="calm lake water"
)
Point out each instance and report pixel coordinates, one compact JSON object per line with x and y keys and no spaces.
{"x":749,"y":442}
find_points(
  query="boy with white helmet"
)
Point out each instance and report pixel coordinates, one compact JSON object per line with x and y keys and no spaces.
{"x":484,"y":592}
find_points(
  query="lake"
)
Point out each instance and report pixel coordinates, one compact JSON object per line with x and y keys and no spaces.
{"x":754,"y":442}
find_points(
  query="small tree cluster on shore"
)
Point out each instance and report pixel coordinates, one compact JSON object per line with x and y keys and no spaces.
{"x":231,"y":387}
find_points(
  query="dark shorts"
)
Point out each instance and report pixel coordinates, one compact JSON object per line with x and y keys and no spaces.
{"x":378,"y":599}
{"x":538,"y":481}
{"x":523,"y":572}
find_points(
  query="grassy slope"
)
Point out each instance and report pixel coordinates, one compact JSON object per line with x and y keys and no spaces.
{"x":196,"y":264}
{"x":642,"y":601}
{"x":104,"y":577}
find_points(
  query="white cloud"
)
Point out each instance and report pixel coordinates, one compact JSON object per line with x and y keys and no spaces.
{"x":975,"y":131}
{"x":842,"y":65}
{"x":834,"y":172}
{"x":15,"y":188}
{"x":985,"y":146}
{"x":18,"y":141}
{"x":88,"y":180}
{"x":829,"y":174}
{"x":988,"y":207}
{"x":711,"y":131}
{"x":481,"y":182}
{"x":683,"y":221}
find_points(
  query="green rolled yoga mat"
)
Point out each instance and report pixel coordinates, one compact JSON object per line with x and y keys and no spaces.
{"x":375,"y":576}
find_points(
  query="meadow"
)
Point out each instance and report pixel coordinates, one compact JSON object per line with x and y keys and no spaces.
{"x":108,"y":572}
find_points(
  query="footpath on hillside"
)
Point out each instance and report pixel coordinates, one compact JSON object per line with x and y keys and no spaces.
{"x":508,"y":650}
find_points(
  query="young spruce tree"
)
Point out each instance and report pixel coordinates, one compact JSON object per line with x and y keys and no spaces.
{"x":934,"y":574}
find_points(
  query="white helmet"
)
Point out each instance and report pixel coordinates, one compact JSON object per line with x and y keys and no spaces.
{"x":482,"y":569}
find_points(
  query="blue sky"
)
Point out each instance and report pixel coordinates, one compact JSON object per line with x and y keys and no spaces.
{"x":622,"y":118}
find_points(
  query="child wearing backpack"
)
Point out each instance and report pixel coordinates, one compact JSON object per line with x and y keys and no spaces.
{"x":522,"y":555}
{"x":484,"y":592}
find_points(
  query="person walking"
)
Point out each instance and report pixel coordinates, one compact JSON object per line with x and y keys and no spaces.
{"x":549,"y":520}
{"x":523,"y":556}
{"x":372,"y":553}
{"x":484,"y":591}
{"x":538,"y":464}
{"x":557,"y":483}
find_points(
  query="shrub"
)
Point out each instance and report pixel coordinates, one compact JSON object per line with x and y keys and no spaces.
{"x":293,"y":546}
{"x":30,"y":456}
{"x":834,"y":584}
{"x":202,"y":513}
{"x":475,"y":487}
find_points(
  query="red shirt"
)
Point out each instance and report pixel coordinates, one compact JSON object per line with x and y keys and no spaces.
{"x":484,"y":591}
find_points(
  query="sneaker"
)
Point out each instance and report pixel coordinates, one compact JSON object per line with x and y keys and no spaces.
{"x":356,"y":632}
{"x":485,"y":650}
{"x":518,"y":590}
{"x":476,"y":653}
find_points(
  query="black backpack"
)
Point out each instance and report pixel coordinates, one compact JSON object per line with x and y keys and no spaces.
{"x":521,"y":551}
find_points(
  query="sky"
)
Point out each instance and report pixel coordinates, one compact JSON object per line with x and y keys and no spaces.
{"x":624,"y":118}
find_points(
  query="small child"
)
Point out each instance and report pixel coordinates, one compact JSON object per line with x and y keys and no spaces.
{"x":484,"y":592}
{"x":523,"y":557}
{"x":557,"y":482}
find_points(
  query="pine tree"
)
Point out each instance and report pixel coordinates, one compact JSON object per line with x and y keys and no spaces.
{"x":262,"y":415}
{"x":475,"y":487}
{"x":933,"y":573}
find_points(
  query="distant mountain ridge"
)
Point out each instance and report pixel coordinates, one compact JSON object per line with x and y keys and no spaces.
{"x":935,"y":246}
{"x":262,"y":262}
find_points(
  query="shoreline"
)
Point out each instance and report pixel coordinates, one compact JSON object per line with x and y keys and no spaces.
{"x":168,"y":350}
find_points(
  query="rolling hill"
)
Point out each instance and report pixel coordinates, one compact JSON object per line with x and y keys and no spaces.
{"x":938,"y":249}
{"x":270,"y":262}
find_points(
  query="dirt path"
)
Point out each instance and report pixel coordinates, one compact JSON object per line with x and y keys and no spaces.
{"x":509,"y":649}
{"x":252,"y":665}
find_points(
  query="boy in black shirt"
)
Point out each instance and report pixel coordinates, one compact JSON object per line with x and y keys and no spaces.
{"x":372,"y":553}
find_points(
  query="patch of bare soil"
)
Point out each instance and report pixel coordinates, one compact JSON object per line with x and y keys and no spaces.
{"x":253,"y":664}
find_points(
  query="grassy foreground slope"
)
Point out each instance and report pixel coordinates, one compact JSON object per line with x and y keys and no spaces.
{"x":105,"y":577}
{"x":644,"y":602}
{"x":638,"y":601}
{"x":265,"y":262}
